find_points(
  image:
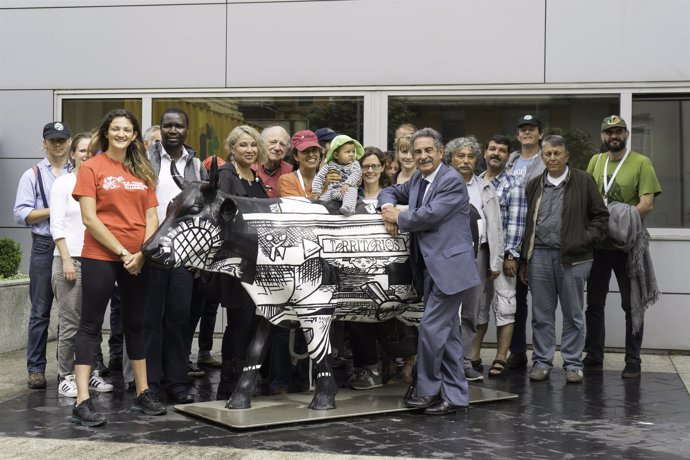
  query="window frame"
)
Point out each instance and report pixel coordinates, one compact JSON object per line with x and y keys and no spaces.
{"x":375,"y":105}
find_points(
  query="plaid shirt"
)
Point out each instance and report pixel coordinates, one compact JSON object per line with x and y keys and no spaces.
{"x":513,"y":203}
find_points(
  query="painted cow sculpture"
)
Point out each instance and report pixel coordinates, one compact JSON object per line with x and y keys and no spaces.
{"x":301,"y":262}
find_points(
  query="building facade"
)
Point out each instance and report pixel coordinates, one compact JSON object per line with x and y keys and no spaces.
{"x":362,"y":67}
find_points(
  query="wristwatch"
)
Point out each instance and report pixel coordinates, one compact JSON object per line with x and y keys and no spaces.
{"x":123,"y":252}
{"x":509,"y":256}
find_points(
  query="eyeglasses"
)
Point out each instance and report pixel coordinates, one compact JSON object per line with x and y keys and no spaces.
{"x":374,"y":167}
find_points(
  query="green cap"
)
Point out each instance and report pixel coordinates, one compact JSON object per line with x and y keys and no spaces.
{"x":613,"y":121}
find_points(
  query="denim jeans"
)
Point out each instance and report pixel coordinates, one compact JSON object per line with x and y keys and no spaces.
{"x":41,"y":294}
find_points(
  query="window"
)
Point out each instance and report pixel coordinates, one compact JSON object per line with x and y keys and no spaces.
{"x":576,"y":117}
{"x":212,"y":119}
{"x":83,"y":115}
{"x":661,"y":130}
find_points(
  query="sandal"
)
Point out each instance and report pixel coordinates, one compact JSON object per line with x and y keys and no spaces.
{"x":499,"y":368}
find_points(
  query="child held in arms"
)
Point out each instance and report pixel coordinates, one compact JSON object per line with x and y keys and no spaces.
{"x":342,"y":157}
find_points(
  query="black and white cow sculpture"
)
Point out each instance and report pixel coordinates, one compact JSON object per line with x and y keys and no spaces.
{"x":303,"y":264}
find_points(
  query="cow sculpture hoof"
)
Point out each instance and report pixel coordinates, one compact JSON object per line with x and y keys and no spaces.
{"x":324,"y":396}
{"x":238,"y":402}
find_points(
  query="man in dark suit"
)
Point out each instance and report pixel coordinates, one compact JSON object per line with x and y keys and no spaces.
{"x":443,"y":268}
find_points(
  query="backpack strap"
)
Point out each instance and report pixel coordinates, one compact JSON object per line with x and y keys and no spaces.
{"x":39,"y":180}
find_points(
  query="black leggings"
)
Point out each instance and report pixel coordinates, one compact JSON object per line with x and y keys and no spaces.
{"x":98,"y":279}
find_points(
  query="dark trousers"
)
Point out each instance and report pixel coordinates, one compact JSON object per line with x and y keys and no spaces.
{"x":41,"y":294}
{"x":116,"y":334}
{"x":518,"y":343}
{"x":166,"y":322}
{"x":363,"y":344}
{"x":98,"y":278}
{"x":203,"y":312}
{"x":238,"y":333}
{"x":606,"y":261}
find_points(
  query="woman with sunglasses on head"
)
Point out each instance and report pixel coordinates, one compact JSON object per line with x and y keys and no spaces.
{"x":116,"y":193}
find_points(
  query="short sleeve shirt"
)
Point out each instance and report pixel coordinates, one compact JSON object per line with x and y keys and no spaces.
{"x":635,"y":178}
{"x":121,"y":203}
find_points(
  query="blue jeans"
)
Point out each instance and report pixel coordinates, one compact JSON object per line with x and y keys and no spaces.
{"x":41,"y":294}
{"x":551,"y":282}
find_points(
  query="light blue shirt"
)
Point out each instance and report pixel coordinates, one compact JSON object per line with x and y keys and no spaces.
{"x":29,"y":195}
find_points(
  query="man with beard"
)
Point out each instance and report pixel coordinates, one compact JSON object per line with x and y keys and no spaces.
{"x":628,"y":177}
{"x":500,"y":293}
{"x":169,"y":297}
{"x":277,"y":140}
{"x":462,"y":154}
{"x":525,"y":164}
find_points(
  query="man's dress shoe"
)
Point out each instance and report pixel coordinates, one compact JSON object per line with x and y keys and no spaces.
{"x":443,"y":407}
{"x":182,"y":398}
{"x":421,"y":402}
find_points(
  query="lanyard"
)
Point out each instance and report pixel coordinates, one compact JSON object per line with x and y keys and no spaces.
{"x":301,"y":181}
{"x":608,"y":184}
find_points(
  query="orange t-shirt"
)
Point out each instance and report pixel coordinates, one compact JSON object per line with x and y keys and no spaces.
{"x":121,"y":203}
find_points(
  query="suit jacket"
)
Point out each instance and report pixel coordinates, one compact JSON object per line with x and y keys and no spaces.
{"x":442,"y":228}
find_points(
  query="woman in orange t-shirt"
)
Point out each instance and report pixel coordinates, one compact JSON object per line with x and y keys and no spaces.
{"x":116,"y":193}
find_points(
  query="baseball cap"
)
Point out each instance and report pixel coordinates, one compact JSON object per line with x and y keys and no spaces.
{"x":325,"y":134}
{"x":56,"y":130}
{"x":613,"y":121}
{"x":303,"y":140}
{"x":529,"y":120}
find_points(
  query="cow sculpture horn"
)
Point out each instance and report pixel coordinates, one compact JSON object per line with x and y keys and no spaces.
{"x":213,"y":176}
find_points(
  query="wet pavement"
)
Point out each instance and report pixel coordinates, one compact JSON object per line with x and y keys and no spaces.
{"x":605,"y":416}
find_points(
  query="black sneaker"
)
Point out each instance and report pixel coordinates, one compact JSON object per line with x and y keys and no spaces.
{"x":631,"y":371}
{"x":517,"y":361}
{"x":85,"y":414}
{"x":148,"y":403}
{"x":99,"y":369}
{"x":590,"y":363}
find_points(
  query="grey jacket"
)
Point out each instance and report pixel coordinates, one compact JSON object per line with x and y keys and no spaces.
{"x":494,"y":224}
{"x":193,"y":169}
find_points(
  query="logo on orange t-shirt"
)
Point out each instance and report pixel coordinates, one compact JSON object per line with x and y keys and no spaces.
{"x":112,"y":182}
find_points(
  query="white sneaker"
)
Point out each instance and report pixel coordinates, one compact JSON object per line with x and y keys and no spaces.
{"x":68,"y":386}
{"x":97,"y":383}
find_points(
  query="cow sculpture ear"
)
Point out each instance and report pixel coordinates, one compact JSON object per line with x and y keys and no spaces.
{"x":228,"y":210}
{"x":213,"y":182}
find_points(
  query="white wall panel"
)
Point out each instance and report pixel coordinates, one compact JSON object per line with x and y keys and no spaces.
{"x":617,"y":40}
{"x":12,"y":170}
{"x":385,"y":42}
{"x":113,"y":47}
{"x":73,"y":3}
{"x":22,"y":117}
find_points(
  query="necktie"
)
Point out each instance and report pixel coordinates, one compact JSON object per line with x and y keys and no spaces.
{"x":422,"y":189}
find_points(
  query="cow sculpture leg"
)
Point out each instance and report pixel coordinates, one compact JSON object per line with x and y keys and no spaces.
{"x":242,"y":396}
{"x":316,"y":326}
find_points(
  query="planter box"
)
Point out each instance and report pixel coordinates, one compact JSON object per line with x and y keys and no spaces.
{"x":15,"y":307}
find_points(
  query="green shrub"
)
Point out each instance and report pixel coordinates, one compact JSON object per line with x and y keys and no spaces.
{"x":10,"y":257}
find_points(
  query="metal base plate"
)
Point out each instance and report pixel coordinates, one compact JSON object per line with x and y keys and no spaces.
{"x":294,"y":407}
